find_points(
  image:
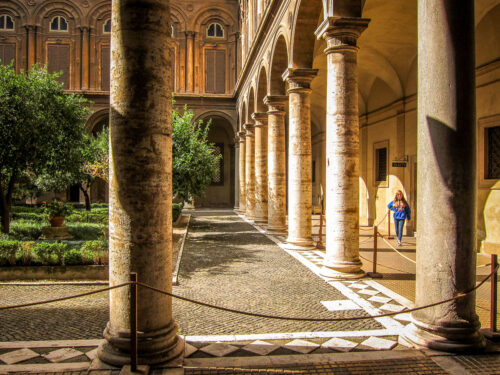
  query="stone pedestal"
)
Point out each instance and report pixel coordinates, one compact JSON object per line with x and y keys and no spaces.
{"x":342,"y":148}
{"x":242,"y":207}
{"x":55,"y":233}
{"x":276,"y":221}
{"x":446,"y":261}
{"x":260,"y":119}
{"x":250,"y":171}
{"x":300,"y":159}
{"x":140,"y":214}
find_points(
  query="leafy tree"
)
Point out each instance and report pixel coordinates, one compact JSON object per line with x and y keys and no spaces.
{"x":41,"y":130}
{"x":194,"y":163}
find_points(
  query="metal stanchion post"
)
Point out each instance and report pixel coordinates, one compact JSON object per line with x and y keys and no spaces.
{"x":492,"y":333}
{"x":389,"y":225}
{"x":374,"y":274}
{"x":319,"y":244}
{"x":133,"y":322}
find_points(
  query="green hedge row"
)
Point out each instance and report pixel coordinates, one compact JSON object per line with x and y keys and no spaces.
{"x":30,"y":230}
{"x":52,"y":253}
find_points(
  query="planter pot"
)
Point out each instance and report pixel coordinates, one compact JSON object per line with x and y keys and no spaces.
{"x":56,"y":221}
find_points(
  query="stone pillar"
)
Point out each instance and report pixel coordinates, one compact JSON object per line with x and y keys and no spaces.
{"x":342,"y":147}
{"x":236,"y":173}
{"x":446,"y":261}
{"x":276,"y":221}
{"x":243,"y":199}
{"x":190,"y":60}
{"x":299,"y":159}
{"x":31,"y":46}
{"x":85,"y":58}
{"x":260,"y":119}
{"x":140,"y":217}
{"x":250,"y":171}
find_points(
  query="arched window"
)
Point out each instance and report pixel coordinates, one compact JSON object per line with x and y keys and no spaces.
{"x":6,"y":22}
{"x":59,"y":23}
{"x":215,"y":30}
{"x":107,"y":26}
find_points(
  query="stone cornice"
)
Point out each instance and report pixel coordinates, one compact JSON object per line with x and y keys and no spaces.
{"x":341,"y":33}
{"x":299,"y":78}
{"x":276,"y":103}
{"x":260,"y":118}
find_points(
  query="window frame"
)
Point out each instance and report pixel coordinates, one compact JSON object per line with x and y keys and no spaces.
{"x":221,"y":164}
{"x":484,"y":124}
{"x":215,"y":31}
{"x":59,"y":24}
{"x":104,"y":26}
{"x":378,"y":146}
{"x":5,"y":22}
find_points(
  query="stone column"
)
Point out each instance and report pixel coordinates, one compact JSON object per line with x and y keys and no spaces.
{"x":85,"y":58}
{"x":446,"y":261}
{"x":250,"y":171}
{"x":236,"y":173}
{"x":140,"y":217}
{"x":243,"y":199}
{"x":190,"y":60}
{"x":276,"y":221}
{"x":299,"y":159}
{"x":260,"y":119}
{"x":31,"y":46}
{"x":342,"y":147}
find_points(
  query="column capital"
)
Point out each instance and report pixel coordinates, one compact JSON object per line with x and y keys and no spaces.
{"x":249,"y":129}
{"x":190,"y":34}
{"x":341,"y":33}
{"x":299,"y":78}
{"x":83,"y":29}
{"x":31,"y":28}
{"x":260,"y":119}
{"x":241,"y":136}
{"x":276,"y":103}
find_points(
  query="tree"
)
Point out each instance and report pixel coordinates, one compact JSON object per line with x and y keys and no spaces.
{"x":194,"y":163}
{"x":41,"y":130}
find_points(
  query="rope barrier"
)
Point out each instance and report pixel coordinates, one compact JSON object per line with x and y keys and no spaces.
{"x":393,"y":248}
{"x":404,"y":310}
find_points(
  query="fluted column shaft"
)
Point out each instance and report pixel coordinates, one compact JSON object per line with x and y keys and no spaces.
{"x":242,"y":187}
{"x":260,"y":119}
{"x":300,"y":159}
{"x":446,"y":260}
{"x":342,"y":147}
{"x":250,"y":171}
{"x":140,"y":215}
{"x":276,"y":220}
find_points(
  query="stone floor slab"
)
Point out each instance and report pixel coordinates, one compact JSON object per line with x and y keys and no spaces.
{"x":391,"y":307}
{"x":63,"y":354}
{"x":219,"y":349}
{"x":339,"y":344}
{"x":301,"y":346}
{"x":369,"y":292}
{"x":189,"y":349}
{"x":261,"y":347}
{"x":340,"y":305}
{"x":17,"y":356}
{"x":379,"y":343}
{"x":92,"y":354}
{"x":380,"y":299}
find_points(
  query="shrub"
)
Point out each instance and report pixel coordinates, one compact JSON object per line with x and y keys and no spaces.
{"x":95,"y":252}
{"x":26,"y":230}
{"x":176,"y":211}
{"x":31,"y":216}
{"x":25,"y":253}
{"x":73,"y":257}
{"x":27,"y":209}
{"x":88,"y":217}
{"x":99,"y":205}
{"x":86,"y":231}
{"x":50,"y":253}
{"x":57,"y":207}
{"x":8,"y":250}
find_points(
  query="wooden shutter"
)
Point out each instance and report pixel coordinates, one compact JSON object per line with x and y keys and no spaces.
{"x":220,"y":72}
{"x":381,"y":164}
{"x":210,"y":70}
{"x":493,"y":152}
{"x":7,"y":54}
{"x":58,"y":60}
{"x":105,"y":68}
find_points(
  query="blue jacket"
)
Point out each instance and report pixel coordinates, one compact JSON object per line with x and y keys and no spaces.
{"x":400,"y":213}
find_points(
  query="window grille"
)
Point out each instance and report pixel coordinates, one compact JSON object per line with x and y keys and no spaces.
{"x":493,"y":152}
{"x":381,"y":159}
{"x":6,"y":22}
{"x":59,"y":24}
{"x":218,"y":179}
{"x":215,"y":30}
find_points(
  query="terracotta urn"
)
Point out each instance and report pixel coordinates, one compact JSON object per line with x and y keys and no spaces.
{"x":56,"y":221}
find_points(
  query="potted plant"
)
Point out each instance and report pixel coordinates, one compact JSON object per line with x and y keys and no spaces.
{"x":57,"y":210}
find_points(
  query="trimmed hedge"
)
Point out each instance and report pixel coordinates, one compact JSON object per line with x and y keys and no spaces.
{"x":8,"y":251}
{"x":176,"y":211}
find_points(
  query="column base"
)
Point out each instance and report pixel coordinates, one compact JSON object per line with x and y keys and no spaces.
{"x":154,"y":347}
{"x":299,"y":244}
{"x":260,"y":221}
{"x":456,"y":340}
{"x":249,"y":218}
{"x":280,"y":231}
{"x":342,"y":270}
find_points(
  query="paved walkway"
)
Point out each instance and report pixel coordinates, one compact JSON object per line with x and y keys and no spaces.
{"x":228,"y":262}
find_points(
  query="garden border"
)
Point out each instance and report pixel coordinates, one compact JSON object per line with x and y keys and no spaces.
{"x":90,"y":272}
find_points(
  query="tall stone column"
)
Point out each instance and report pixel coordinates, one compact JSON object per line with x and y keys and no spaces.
{"x":342,"y":147}
{"x":190,"y":60}
{"x":300,"y":159}
{"x":250,"y":171}
{"x":140,"y":217}
{"x":276,"y":221}
{"x":85,"y":57}
{"x":243,"y":199}
{"x":446,"y":261}
{"x":31,"y":46}
{"x":260,"y":119}
{"x":236,"y":173}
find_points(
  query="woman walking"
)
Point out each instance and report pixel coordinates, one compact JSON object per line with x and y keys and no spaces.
{"x":402,"y":212}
